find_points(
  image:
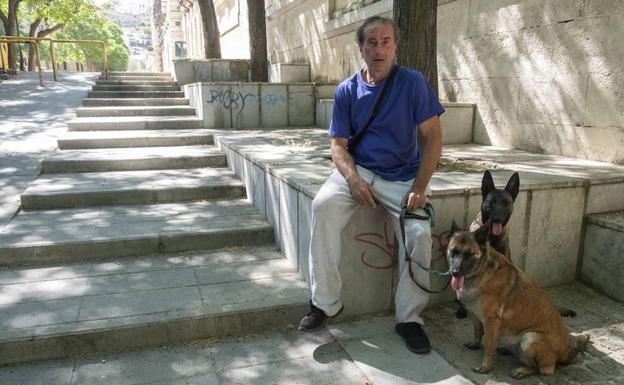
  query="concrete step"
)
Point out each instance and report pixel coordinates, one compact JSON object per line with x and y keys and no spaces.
{"x":137,"y":74}
{"x":127,"y":159}
{"x":135,"y":111}
{"x":603,"y":250}
{"x":75,"y":140}
{"x":60,"y":236}
{"x":51,"y":191}
{"x":164,"y":87}
{"x":135,"y":94}
{"x":82,"y":309}
{"x":134,"y":123}
{"x":146,"y":82}
{"x":140,"y":78}
{"x":95,"y":102}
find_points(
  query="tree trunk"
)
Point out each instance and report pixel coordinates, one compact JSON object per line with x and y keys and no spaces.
{"x":10,"y":31}
{"x":418,"y":37}
{"x":212,"y":38}
{"x":32,"y":64}
{"x":258,"y":41}
{"x":32,"y":58}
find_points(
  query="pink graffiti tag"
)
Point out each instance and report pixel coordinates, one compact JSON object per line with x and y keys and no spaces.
{"x":385,"y":243}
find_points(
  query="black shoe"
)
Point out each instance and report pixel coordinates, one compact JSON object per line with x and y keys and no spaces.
{"x":414,"y":337}
{"x":314,"y":319}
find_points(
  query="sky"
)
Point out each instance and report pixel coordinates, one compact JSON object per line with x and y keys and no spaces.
{"x":127,"y":5}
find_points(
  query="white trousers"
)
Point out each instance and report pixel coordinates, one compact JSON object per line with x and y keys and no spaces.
{"x":332,"y":209}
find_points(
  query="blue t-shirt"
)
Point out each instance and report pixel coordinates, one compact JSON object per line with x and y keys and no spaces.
{"x":389,"y":148}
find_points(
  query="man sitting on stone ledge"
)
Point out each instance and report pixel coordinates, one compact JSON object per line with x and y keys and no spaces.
{"x":386,"y":168}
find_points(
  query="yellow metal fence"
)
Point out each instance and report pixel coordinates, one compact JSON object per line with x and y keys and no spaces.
{"x":34,"y":42}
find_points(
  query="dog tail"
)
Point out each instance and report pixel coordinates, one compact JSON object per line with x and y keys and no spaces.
{"x":565,"y":312}
{"x":578,"y":344}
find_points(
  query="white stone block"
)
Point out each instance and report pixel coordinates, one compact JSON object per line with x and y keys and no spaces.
{"x":289,"y":73}
{"x":246,"y":105}
{"x":554,"y":235}
{"x":301,"y":105}
{"x":456,"y":123}
{"x":367,"y":270}
{"x":288,"y":225}
{"x":304,"y":231}
{"x":217,"y":104}
{"x":259,"y":193}
{"x":605,"y":197}
{"x":325,"y":91}
{"x":324,"y":110}
{"x":274,"y":105}
{"x":602,"y":259}
{"x":272,"y":197}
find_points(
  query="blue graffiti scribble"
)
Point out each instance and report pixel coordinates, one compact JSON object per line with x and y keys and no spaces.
{"x":236,"y":101}
{"x":273,"y":99}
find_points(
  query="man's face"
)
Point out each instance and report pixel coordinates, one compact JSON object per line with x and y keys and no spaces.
{"x":379,"y":47}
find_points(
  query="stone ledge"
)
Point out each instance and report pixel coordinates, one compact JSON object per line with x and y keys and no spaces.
{"x":283,"y":170}
{"x":613,"y":220}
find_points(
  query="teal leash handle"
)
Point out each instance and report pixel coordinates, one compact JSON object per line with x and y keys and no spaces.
{"x":429,"y":217}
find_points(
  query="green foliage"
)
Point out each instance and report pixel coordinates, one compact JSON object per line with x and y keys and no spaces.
{"x":82,"y":20}
{"x":95,"y":26}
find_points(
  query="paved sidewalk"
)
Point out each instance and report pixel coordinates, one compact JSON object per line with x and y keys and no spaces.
{"x":31,"y":118}
{"x":366,"y":351}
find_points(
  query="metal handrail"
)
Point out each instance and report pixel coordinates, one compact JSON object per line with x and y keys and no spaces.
{"x":35,"y":41}
{"x":29,"y":40}
{"x":4,"y":56}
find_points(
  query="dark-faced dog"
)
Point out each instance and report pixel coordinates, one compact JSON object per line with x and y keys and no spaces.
{"x":507,"y":306}
{"x":496,"y":208}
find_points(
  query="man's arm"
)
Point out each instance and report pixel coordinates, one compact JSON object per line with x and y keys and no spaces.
{"x":362,"y":192}
{"x":431,"y":147}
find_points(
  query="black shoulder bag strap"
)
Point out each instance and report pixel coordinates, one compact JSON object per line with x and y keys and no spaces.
{"x":358,"y":137}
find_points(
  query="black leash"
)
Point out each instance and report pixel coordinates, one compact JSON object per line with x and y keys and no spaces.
{"x":429,"y":217}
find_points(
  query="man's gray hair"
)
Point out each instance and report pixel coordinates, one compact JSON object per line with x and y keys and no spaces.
{"x":359,"y":34}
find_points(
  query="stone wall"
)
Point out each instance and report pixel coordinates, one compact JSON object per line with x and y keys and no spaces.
{"x":546,"y":75}
{"x":233,"y":28}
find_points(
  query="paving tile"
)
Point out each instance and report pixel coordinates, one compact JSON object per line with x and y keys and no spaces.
{"x":244,"y":272}
{"x":39,"y":313}
{"x":54,"y":373}
{"x":146,"y":367}
{"x":21,"y":293}
{"x":147,"y":280}
{"x":135,"y":303}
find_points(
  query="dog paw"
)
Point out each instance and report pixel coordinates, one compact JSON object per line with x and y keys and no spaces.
{"x":503,"y":351}
{"x":521,"y":372}
{"x":461,"y":313}
{"x":481,"y":369}
{"x":473,"y":345}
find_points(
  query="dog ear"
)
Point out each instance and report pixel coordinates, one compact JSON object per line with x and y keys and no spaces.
{"x":482,"y":234}
{"x":513,"y":186}
{"x":454,"y":229}
{"x":487,"y":184}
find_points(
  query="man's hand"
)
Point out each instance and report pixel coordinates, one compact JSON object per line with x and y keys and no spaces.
{"x":361,"y":191}
{"x":414,"y":199}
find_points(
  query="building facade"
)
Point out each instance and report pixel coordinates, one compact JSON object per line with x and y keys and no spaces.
{"x":546,"y":75}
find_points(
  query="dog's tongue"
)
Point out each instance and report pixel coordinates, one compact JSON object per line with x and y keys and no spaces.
{"x":497,"y":228}
{"x":457,"y":283}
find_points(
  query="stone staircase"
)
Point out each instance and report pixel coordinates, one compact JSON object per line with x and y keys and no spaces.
{"x":137,"y":234}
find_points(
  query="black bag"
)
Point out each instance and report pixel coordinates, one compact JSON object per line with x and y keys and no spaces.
{"x":355,"y":140}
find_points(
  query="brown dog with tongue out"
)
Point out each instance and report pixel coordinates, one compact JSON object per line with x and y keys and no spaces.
{"x":508,"y":307}
{"x":496,"y":208}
